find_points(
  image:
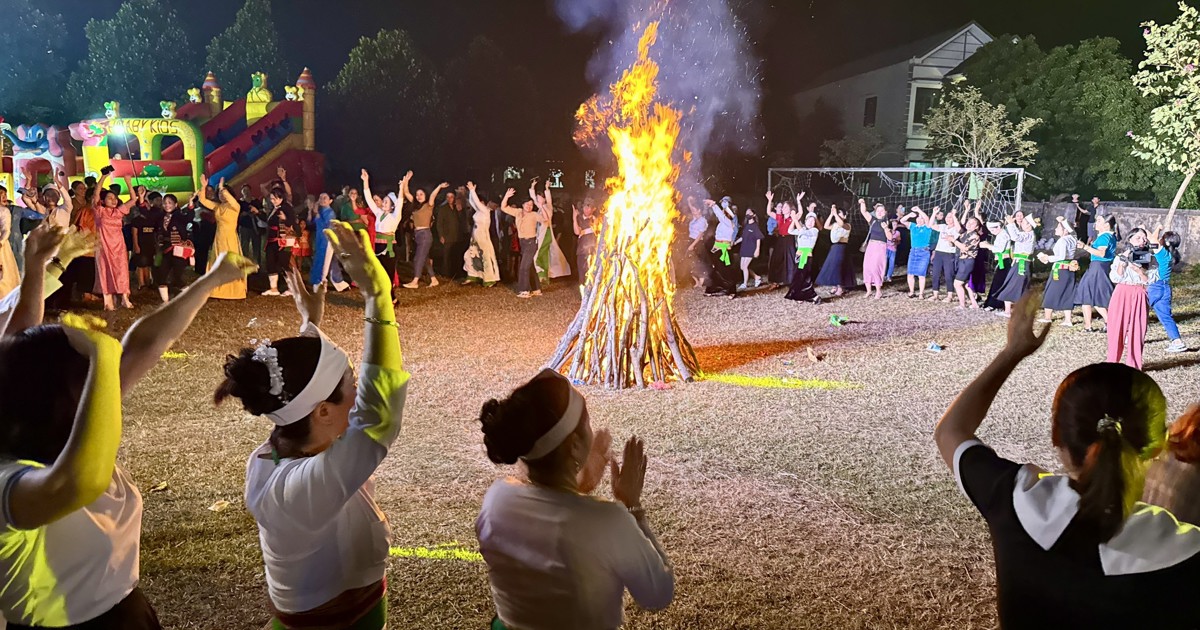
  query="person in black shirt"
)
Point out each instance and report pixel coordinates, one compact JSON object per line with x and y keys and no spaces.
{"x":1077,"y":550}
{"x":172,"y":232}
{"x":145,"y":246}
{"x":281,"y":237}
{"x":250,"y":228}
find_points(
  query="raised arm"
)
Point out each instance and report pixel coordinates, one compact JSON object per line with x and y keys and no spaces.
{"x":404,"y":191}
{"x":366,"y":181}
{"x":966,"y":413}
{"x":202,"y":194}
{"x":507,"y":209}
{"x":98,"y":190}
{"x":84,"y":468}
{"x":862,"y":209}
{"x":152,"y":335}
{"x":829,"y":220}
{"x":770,"y":206}
{"x":40,"y":246}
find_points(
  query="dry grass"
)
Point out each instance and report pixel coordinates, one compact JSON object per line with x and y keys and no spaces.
{"x":781,"y":508}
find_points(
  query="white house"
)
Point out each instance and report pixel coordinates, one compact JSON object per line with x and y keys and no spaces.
{"x":893,"y":90}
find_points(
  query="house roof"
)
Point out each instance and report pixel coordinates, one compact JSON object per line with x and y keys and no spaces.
{"x":914,"y":49}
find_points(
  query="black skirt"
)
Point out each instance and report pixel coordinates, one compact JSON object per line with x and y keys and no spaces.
{"x":993,"y":301}
{"x":1060,"y":294}
{"x":801,"y":289}
{"x":783,"y":260}
{"x":1015,"y":283}
{"x":836,"y":270}
{"x":1095,"y":288}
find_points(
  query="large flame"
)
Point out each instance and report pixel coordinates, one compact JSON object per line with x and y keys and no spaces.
{"x":626,"y":328}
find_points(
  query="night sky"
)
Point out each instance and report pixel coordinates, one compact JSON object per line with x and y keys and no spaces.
{"x":795,"y":39}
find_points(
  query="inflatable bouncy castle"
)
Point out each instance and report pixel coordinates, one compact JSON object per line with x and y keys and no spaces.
{"x":243,"y":142}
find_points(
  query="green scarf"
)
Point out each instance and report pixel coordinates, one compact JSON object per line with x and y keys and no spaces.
{"x":1059,"y":264}
{"x":802,"y":255}
{"x":1000,"y":258}
{"x":389,"y":240}
{"x":724,"y":249}
{"x":1022,"y":260}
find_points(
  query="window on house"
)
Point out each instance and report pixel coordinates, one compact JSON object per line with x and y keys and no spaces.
{"x":869,"y":110}
{"x":925,"y":100}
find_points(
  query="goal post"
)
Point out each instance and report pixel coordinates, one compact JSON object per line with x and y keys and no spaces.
{"x":998,"y":189}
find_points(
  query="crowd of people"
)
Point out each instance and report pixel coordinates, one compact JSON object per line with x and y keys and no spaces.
{"x":1107,"y":542}
{"x":953,"y":252}
{"x":150,"y":241}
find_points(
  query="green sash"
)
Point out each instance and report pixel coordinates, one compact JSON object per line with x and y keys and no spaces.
{"x":389,"y":239}
{"x":1000,"y":258}
{"x":724,"y":249}
{"x":1022,"y":260}
{"x":802,"y":256}
{"x":497,"y":624}
{"x":1060,"y":264}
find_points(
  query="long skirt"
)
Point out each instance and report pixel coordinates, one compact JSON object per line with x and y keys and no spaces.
{"x":782,"y":265}
{"x":998,"y":277}
{"x":801,"y":289}
{"x":10,"y":274}
{"x":874,"y":263}
{"x":1015,"y":283}
{"x":1127,"y":317}
{"x":918,"y":261}
{"x":1060,"y":294}
{"x":1095,"y":288}
{"x":723,"y":278}
{"x":979,"y":271}
{"x":836,"y":270}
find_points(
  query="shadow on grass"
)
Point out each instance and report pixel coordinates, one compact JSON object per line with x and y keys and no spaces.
{"x":715,"y":359}
{"x":1190,"y":359}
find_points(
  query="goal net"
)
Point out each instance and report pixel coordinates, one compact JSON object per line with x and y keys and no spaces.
{"x":999,"y":189}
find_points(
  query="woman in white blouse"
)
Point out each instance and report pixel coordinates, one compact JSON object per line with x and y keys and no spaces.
{"x":480,"y":259}
{"x":324,"y":540}
{"x":1060,"y":287}
{"x":387,"y":211}
{"x":558,"y":557}
{"x":1128,"y":312}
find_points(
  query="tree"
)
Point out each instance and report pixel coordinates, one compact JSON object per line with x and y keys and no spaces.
{"x":1083,"y":96}
{"x":32,"y":52}
{"x":385,"y":107}
{"x":966,"y":129}
{"x":496,"y":107}
{"x":249,"y":45}
{"x":1169,"y":75}
{"x":853,"y":151}
{"x":139,"y":57}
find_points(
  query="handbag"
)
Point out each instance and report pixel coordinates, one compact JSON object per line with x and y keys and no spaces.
{"x":867,"y":239}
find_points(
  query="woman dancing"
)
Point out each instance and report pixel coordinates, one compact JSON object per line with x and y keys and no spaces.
{"x":324,"y":539}
{"x":698,"y":232}
{"x":1059,"y":294}
{"x":281,"y":236}
{"x":1076,"y":549}
{"x":71,"y":516}
{"x":481,"y":263}
{"x":387,"y":211}
{"x":920,"y":236}
{"x":527,"y":219}
{"x":422,"y":219}
{"x":751,"y":247}
{"x":836,"y":271}
{"x":1166,"y":256}
{"x":1127,"y":311}
{"x":806,"y":234}
{"x":721,"y":279}
{"x":945,"y":254}
{"x":112,"y":258}
{"x":1017,"y":280}
{"x":968,"y":250}
{"x":1001,"y":248}
{"x":879,"y":232}
{"x":1095,"y":288}
{"x":558,"y":557}
{"x":226,"y":212}
{"x":584,"y":224}
{"x":783,"y":245}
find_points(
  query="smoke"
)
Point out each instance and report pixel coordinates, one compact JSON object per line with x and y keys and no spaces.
{"x":707,"y":69}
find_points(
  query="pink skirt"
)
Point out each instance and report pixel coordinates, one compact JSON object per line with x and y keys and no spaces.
{"x":1127,"y":317}
{"x":874,"y":263}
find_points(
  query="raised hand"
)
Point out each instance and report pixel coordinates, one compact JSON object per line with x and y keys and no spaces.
{"x":770,"y":196}
{"x":471,"y":186}
{"x":86,"y":335}
{"x":281,"y":173}
{"x":629,"y":476}
{"x":42,"y":244}
{"x":310,"y":304}
{"x":221,"y":183}
{"x":364,"y":176}
{"x":1022,"y":340}
{"x":231,"y":267}
{"x":76,"y":243}
{"x":203,"y":181}
{"x":358,"y":259}
{"x":592,"y":471}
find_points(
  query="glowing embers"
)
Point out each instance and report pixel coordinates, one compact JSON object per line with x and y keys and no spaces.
{"x":775,"y":382}
{"x":626,"y":333}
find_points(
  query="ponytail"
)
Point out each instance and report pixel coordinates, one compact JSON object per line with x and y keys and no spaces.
{"x":1110,"y":480}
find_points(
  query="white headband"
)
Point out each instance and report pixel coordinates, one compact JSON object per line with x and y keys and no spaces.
{"x":331,"y":367}
{"x":565,"y":426}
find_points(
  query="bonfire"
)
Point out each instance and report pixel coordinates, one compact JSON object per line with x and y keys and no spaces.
{"x":626,"y":333}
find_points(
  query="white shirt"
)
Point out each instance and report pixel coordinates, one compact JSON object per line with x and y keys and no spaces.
{"x":561,"y":560}
{"x":1022,"y":241}
{"x":76,"y":568}
{"x":319,"y":527}
{"x":838,"y":234}
{"x":1064,"y":248}
{"x":726,"y":227}
{"x":385,"y":222}
{"x":947,"y":237}
{"x":805,"y":236}
{"x":1001,"y":243}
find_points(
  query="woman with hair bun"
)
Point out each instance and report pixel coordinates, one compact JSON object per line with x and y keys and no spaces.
{"x":1076,"y":550}
{"x":558,"y":557}
{"x":324,"y":540}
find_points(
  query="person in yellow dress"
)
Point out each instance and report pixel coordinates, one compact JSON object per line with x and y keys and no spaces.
{"x":226,"y":210}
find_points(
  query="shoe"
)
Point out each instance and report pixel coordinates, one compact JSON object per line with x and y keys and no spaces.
{"x":741,"y":287}
{"x":1104,"y":329}
{"x":757,"y":282}
{"x":1043,"y":320}
{"x":1067,"y":324}
{"x":341,"y":286}
{"x":433,"y":282}
{"x":535,"y":293}
{"x":286,"y":293}
{"x":411,"y":285}
{"x":817,"y":301}
{"x":1003,"y":314}
{"x":524,"y":295}
{"x":1177,"y":345}
{"x":271,"y":292}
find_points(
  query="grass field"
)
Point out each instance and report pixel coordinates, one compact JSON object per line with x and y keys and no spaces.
{"x":781,"y":505}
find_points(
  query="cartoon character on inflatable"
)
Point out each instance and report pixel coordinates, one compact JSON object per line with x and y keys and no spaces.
{"x":168,"y":109}
{"x":258,"y":91}
{"x":194,"y":95}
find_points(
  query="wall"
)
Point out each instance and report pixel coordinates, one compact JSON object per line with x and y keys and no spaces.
{"x":1186,"y":222}
{"x":848,"y":97}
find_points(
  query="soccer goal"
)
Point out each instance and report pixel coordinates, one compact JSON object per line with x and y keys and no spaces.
{"x":999,"y":189}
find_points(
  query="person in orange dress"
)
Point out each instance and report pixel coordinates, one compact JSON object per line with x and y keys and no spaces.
{"x":226,"y":210}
